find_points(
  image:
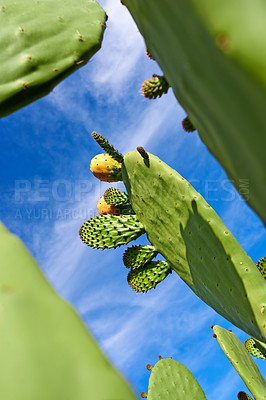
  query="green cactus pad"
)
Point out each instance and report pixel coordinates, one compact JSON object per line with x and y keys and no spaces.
{"x":196,"y":243}
{"x":261,"y":265}
{"x":155,"y":87}
{"x":213,"y":54}
{"x":147,"y":277}
{"x":110,"y":231}
{"x":136,"y":256}
{"x":242,"y":362}
{"x":41,"y":43}
{"x":46,"y":351}
{"x":256,"y":348}
{"x":106,"y":146}
{"x":244,"y":396}
{"x":171,"y":380}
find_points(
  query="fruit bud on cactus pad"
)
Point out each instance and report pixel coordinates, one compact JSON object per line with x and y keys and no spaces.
{"x":148,"y":277}
{"x":105,"y":208}
{"x":105,"y":168}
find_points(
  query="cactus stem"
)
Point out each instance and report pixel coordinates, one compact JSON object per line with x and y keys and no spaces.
{"x":160,"y":357}
{"x":149,"y":367}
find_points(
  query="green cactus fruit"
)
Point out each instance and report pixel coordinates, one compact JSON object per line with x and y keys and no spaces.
{"x":255,"y":348}
{"x":46,"y":351}
{"x":115,"y":197}
{"x":261,"y":265}
{"x":109,"y":148}
{"x":136,"y":256}
{"x":242,"y":362}
{"x":244,"y":396}
{"x":119,"y":200}
{"x":110,"y":231}
{"x":155,"y":87}
{"x":187,"y":125}
{"x":106,"y":168}
{"x":213,"y":54}
{"x":147,"y":277}
{"x":197,"y":245}
{"x":42,"y":42}
{"x":171,"y":380}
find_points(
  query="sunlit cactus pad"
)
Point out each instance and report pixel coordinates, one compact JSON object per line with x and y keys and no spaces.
{"x":213,"y":55}
{"x":110,"y":231}
{"x":242,"y":361}
{"x":171,"y":380}
{"x":41,"y":43}
{"x":192,"y":238}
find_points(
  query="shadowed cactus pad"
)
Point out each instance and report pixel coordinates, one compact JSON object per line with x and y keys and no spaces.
{"x":155,"y":87}
{"x":110,"y":231}
{"x":106,"y":168}
{"x":187,"y":125}
{"x":213,"y":54}
{"x":41,"y":43}
{"x":136,"y":256}
{"x":147,"y":277}
{"x":255,"y":348}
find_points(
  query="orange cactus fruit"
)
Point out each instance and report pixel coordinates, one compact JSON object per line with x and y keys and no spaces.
{"x":104,"y":208}
{"x":105,"y":168}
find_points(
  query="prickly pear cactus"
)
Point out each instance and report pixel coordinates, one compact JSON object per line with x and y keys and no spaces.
{"x":183,"y":227}
{"x":242,"y":362}
{"x":46,"y":351}
{"x":219,"y":78}
{"x":171,"y":380}
{"x":148,"y":276}
{"x":136,"y":256}
{"x":106,"y":168}
{"x":41,"y":43}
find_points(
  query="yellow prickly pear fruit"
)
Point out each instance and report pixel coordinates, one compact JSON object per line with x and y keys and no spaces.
{"x":105,"y":168}
{"x":104,"y":208}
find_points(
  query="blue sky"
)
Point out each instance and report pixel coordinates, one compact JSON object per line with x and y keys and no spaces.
{"x":48,"y":191}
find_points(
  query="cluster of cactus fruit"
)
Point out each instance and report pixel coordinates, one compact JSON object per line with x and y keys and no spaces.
{"x":171,"y":380}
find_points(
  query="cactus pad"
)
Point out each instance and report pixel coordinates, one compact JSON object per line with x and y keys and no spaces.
{"x":136,"y":256}
{"x":213,"y":54}
{"x":255,"y":348}
{"x":46,"y":351}
{"x":155,"y":87}
{"x":187,"y":125}
{"x":197,"y":245}
{"x":41,"y":43}
{"x":242,"y":362}
{"x":171,"y":380}
{"x":110,"y":231}
{"x":147,"y":277}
